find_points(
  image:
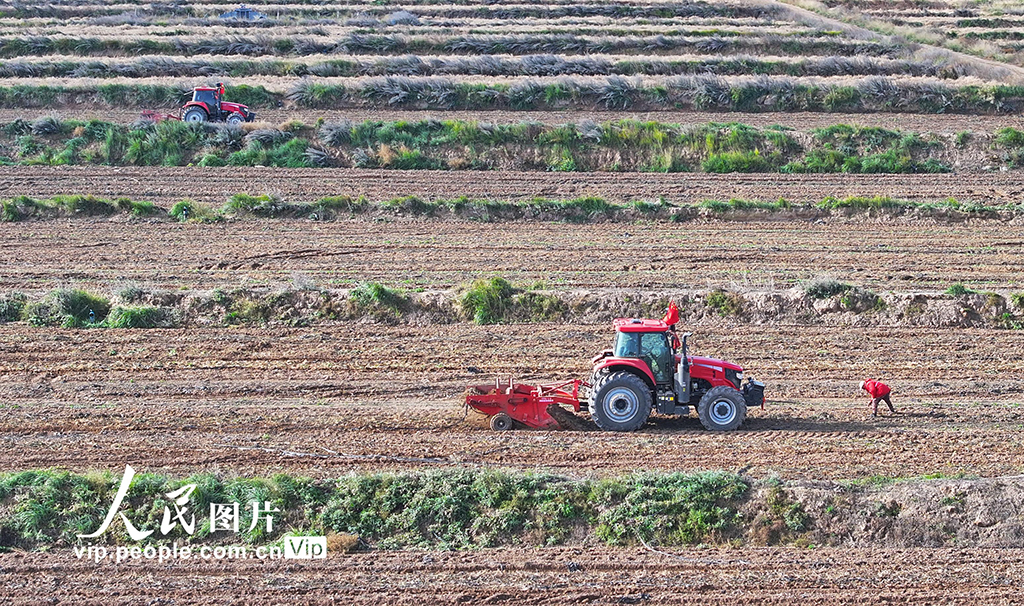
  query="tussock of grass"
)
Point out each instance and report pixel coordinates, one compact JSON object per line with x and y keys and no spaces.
{"x":738,"y":162}
{"x":12,"y":306}
{"x":862,"y":203}
{"x":189,"y":211}
{"x":378,"y":301}
{"x":264,"y":205}
{"x":23,"y":207}
{"x":139,"y":317}
{"x":824,"y":287}
{"x":959,"y":290}
{"x":374,"y":294}
{"x":487,"y":301}
{"x":68,"y":308}
{"x":542,"y":307}
{"x":724,"y":303}
{"x":1010,"y":137}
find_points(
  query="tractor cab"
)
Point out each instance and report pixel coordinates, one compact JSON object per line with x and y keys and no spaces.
{"x":208,"y":97}
{"x":648,"y":341}
{"x":649,"y":368}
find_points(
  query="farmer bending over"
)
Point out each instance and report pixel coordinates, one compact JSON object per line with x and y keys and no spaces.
{"x":879,"y":393}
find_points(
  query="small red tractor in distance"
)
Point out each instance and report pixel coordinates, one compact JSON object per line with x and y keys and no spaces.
{"x":648,"y":368}
{"x":207,"y":105}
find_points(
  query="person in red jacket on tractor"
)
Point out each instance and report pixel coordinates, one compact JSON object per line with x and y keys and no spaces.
{"x":879,"y":393}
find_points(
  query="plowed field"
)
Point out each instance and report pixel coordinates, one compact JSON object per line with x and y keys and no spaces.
{"x":879,"y":254}
{"x":339,"y":398}
{"x":214,"y":185}
{"x":543,"y":576}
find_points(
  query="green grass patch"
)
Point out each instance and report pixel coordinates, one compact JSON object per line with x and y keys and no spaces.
{"x":736,"y":204}
{"x":442,"y":509}
{"x":541,"y":307}
{"x":860,"y":203}
{"x":139,"y":317}
{"x":487,"y":301}
{"x":375,"y":299}
{"x":672,"y":509}
{"x":724,"y":303}
{"x":959,"y":290}
{"x":12,"y":306}
{"x":68,"y":308}
{"x":1009,"y":137}
{"x":190,"y":211}
{"x":738,"y":162}
{"x":264,"y":205}
{"x":791,"y":513}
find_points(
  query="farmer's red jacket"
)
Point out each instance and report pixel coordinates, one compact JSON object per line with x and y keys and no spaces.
{"x":877,"y":389}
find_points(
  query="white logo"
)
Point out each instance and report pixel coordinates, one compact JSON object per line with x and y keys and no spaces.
{"x":305,"y":548}
{"x":223,"y":516}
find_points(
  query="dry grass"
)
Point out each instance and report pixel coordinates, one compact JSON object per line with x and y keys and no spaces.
{"x":341,"y":543}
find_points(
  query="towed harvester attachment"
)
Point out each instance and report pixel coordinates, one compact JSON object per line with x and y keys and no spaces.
{"x":526,"y":404}
{"x":148,"y":114}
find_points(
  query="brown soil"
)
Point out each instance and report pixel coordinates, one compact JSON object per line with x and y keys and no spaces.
{"x":939,"y":123}
{"x":337,"y":398}
{"x":598,"y":575}
{"x":166,"y":186}
{"x":880,"y":255}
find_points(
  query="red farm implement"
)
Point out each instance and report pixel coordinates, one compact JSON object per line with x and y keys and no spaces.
{"x":526,"y":404}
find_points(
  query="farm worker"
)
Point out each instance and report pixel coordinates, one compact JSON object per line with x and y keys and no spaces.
{"x":879,"y":393}
{"x":220,"y":90}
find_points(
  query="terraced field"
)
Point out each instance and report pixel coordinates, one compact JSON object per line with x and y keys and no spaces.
{"x":295,"y":292}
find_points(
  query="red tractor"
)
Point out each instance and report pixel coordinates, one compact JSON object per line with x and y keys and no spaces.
{"x":207,"y":105}
{"x":648,"y":368}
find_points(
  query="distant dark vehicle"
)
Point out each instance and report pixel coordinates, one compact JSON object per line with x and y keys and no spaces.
{"x":244,"y":13}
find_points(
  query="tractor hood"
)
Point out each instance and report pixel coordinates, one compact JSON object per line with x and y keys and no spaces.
{"x":234,"y":107}
{"x":714,"y":363}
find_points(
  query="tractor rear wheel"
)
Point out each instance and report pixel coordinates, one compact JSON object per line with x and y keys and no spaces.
{"x":620,"y":401}
{"x":195,"y":114}
{"x":722,"y":409}
{"x":501,"y":422}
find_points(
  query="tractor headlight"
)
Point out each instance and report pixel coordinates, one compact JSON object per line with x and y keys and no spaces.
{"x":734,"y":376}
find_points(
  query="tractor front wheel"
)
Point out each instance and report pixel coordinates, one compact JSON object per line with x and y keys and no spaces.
{"x":196,"y":114}
{"x":235,"y":119}
{"x":722,"y":409}
{"x":620,"y":401}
